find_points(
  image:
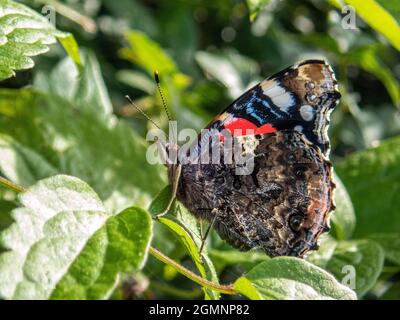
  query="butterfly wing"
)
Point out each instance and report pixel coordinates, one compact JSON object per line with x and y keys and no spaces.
{"x":282,"y":207}
{"x":298,"y":98}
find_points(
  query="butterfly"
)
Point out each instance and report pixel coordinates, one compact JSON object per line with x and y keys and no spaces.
{"x":283,"y":205}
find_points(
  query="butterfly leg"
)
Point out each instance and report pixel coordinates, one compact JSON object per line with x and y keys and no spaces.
{"x":204,"y":238}
{"x":175,"y":181}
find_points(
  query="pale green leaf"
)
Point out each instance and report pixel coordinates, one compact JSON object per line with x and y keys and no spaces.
{"x":64,"y":243}
{"x":22,"y":165}
{"x":287,"y":278}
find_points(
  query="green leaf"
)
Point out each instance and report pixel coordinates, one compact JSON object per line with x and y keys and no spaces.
{"x":85,"y":88}
{"x":148,"y":54}
{"x":343,"y":218}
{"x":25,"y":33}
{"x":186,"y":228}
{"x":379,"y":19}
{"x":103,"y":151}
{"x":235,"y":257}
{"x":22,"y":165}
{"x":365,"y":256}
{"x":390,"y":242}
{"x":231,"y":69}
{"x":120,"y":246}
{"x":203,"y":263}
{"x":71,"y":47}
{"x":287,"y":278}
{"x":73,"y":247}
{"x":138,"y":80}
{"x":367,"y":57}
{"x":325,"y":252}
{"x":255,"y":7}
{"x":243,"y":286}
{"x":372,"y":180}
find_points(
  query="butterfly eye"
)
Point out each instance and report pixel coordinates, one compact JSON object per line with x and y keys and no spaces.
{"x":295,"y":221}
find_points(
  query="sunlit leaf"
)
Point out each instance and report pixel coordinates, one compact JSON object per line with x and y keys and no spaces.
{"x":73,"y":247}
{"x":25,"y":33}
{"x":22,"y":165}
{"x":286,"y":278}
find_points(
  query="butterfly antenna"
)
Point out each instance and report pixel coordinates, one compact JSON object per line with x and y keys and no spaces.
{"x":141,"y":111}
{"x":157,"y":79}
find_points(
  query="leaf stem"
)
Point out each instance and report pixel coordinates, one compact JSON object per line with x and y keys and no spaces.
{"x":223,"y":288}
{"x":11,"y":185}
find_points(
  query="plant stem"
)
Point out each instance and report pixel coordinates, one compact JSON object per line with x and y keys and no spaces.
{"x":223,"y":288}
{"x":11,"y":185}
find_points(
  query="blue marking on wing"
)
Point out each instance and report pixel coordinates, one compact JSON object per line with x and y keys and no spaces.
{"x":252,"y":111}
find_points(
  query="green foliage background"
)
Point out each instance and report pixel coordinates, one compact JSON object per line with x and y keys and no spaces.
{"x":64,"y":114}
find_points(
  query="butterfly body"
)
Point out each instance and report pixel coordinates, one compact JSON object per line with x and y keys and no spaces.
{"x":282,"y":205}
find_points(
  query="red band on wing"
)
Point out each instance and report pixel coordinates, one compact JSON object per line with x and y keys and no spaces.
{"x":239,"y":126}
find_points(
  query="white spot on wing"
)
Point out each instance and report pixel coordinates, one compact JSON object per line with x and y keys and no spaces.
{"x":298,"y":128}
{"x":307,"y":112}
{"x":279,"y":96}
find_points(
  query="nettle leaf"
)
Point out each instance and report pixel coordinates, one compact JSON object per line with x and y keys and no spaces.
{"x":343,"y":218}
{"x":25,"y":33}
{"x":287,"y":278}
{"x":371,"y":178}
{"x":64,"y":243}
{"x":365,"y":256}
{"x":22,"y":165}
{"x":186,"y":228}
{"x":390,"y":242}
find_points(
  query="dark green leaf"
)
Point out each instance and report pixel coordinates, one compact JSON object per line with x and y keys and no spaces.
{"x":371,"y":178}
{"x":390,"y":242}
{"x":365,"y":256}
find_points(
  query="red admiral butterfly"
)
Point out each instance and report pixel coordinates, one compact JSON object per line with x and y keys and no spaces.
{"x":283,"y":206}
